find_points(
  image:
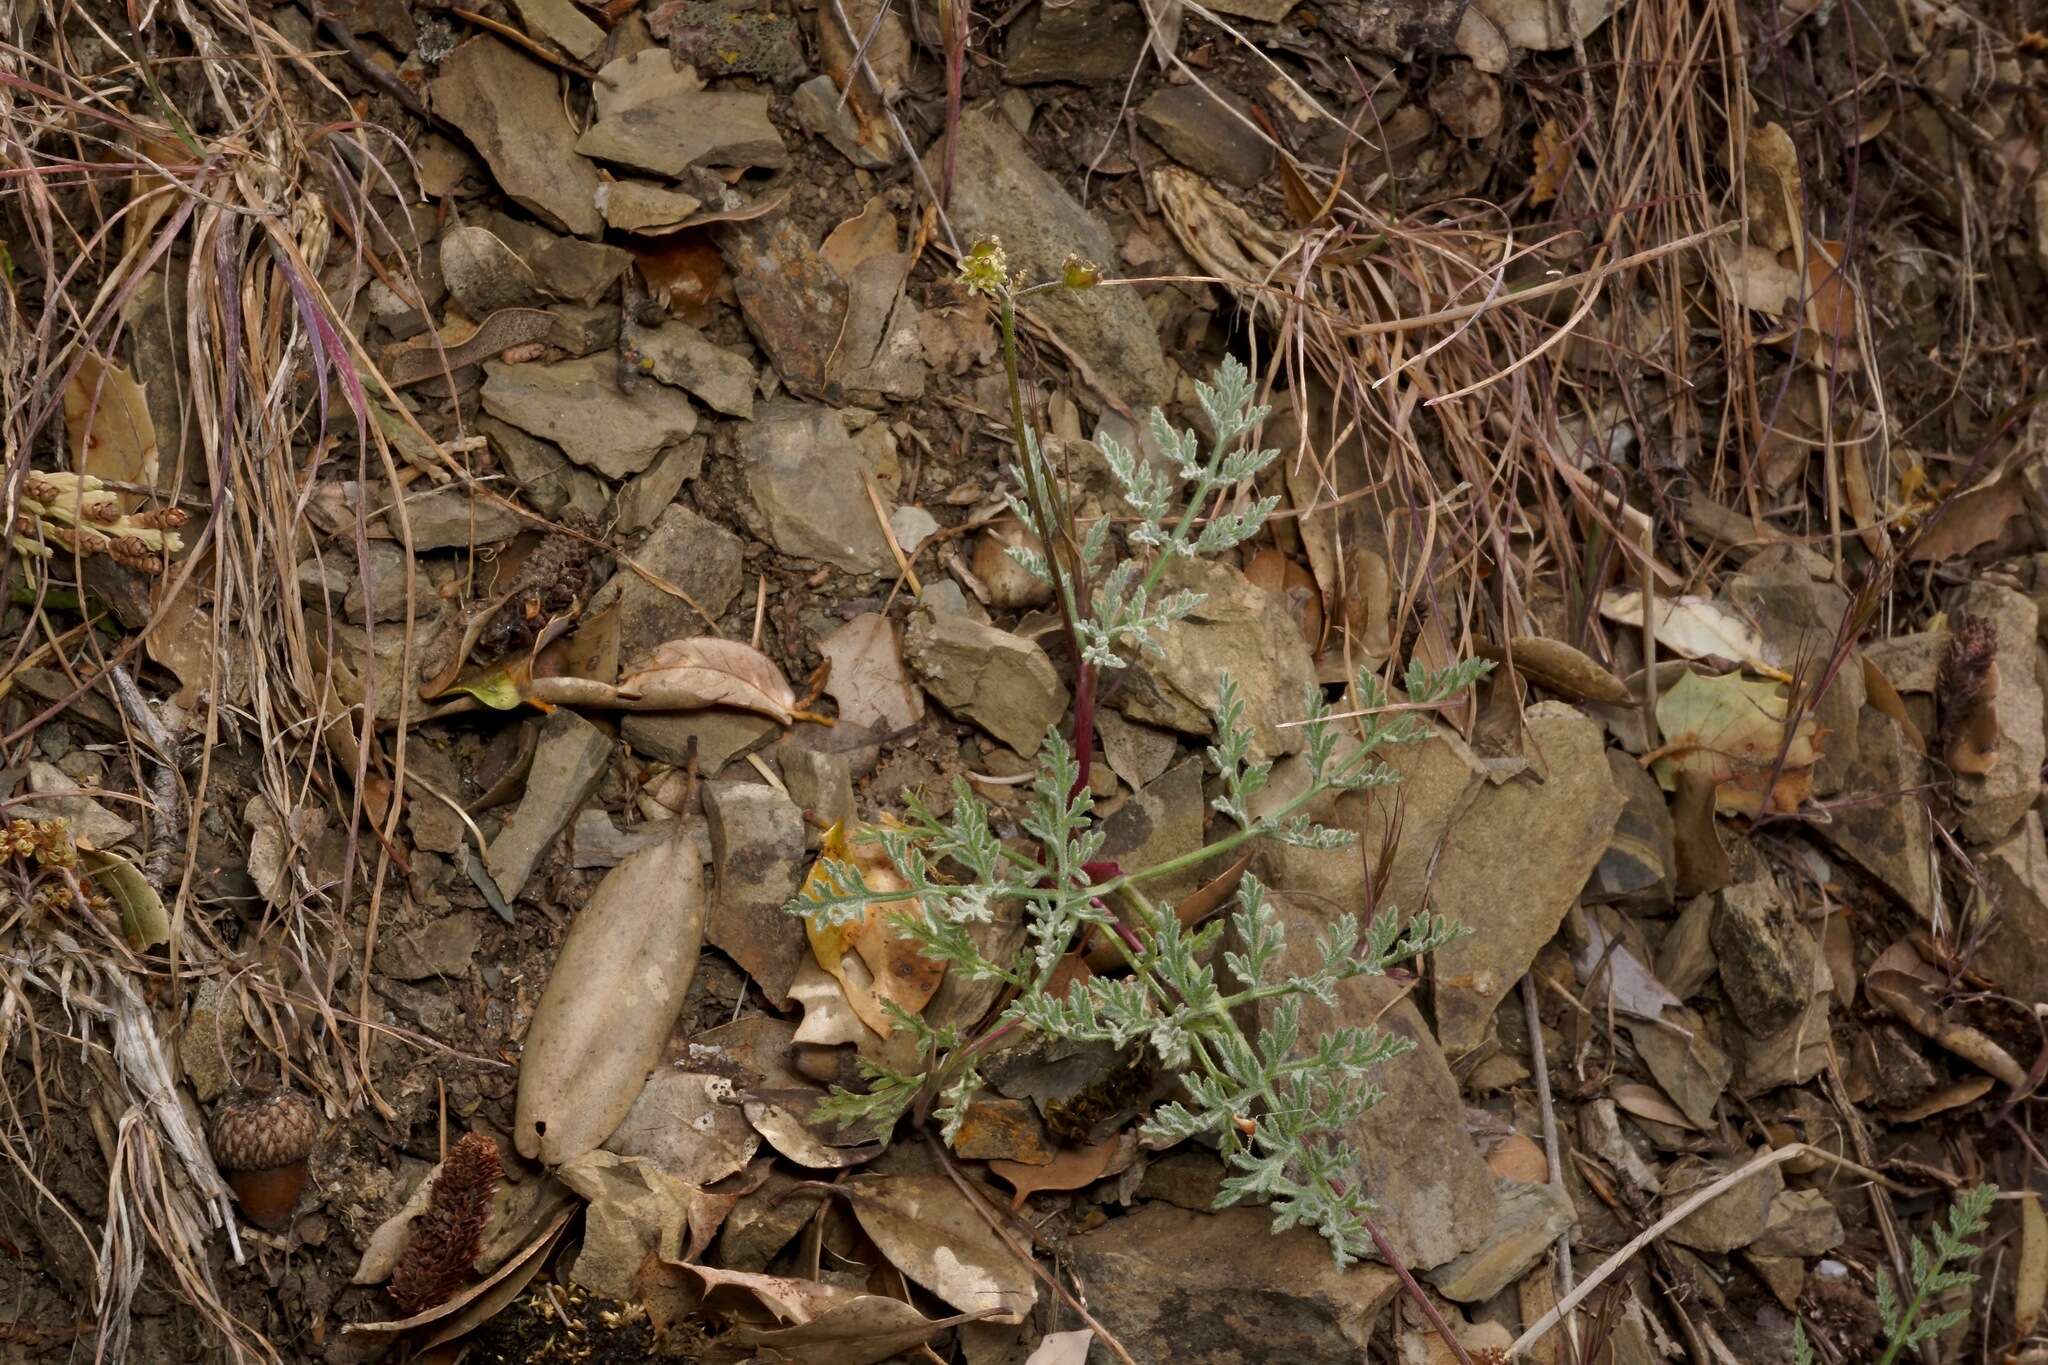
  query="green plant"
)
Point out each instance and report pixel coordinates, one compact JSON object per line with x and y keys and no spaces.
{"x":1275,"y":1105}
{"x":1932,"y":1275}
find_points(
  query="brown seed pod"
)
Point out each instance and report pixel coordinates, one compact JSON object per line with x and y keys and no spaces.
{"x":262,"y":1142}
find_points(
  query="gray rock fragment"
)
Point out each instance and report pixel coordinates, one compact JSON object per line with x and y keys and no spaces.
{"x":1001,"y":682}
{"x":567,"y":763}
{"x":505,"y":102}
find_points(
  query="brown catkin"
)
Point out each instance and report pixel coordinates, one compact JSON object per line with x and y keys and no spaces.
{"x":449,"y":1234}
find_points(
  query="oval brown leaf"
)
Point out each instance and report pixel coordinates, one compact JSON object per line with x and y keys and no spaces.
{"x":611,"y":1001}
{"x":684,"y":675}
{"x":1556,"y":666}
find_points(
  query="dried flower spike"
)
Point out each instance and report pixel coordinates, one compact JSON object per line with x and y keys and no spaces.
{"x":449,"y":1235}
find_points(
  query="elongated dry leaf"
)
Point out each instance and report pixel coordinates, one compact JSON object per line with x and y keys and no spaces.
{"x":1903,"y":983}
{"x":2030,"y":1284}
{"x":868,"y":679}
{"x":479,"y":1303}
{"x":778,"y":1116}
{"x":1648,"y":1102}
{"x":860,"y":1331}
{"x":928,"y":1230}
{"x":1731,"y":729}
{"x":748,"y":1296}
{"x":1696,"y":627}
{"x":106,"y":414}
{"x":1556,"y":666}
{"x":464,"y":344}
{"x":143,"y":921}
{"x":617,"y":987}
{"x":684,"y":675}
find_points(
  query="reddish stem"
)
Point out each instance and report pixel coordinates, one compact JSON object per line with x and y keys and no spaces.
{"x":1084,"y":718}
{"x":1415,"y":1291}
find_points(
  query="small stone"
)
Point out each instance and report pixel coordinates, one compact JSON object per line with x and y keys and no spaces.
{"x":505,"y":102}
{"x":577,"y":405}
{"x":548,"y":480}
{"x":912,"y":527}
{"x":209,"y":1041}
{"x":1801,"y":1223}
{"x":1110,"y":329}
{"x":1531,"y":1217}
{"x":795,"y":305}
{"x":822,"y":114}
{"x":387,"y":569}
{"x":483,"y":273}
{"x":2015,"y":951}
{"x":567,"y":763}
{"x":575,"y":270}
{"x":722,"y":735}
{"x":632,"y":205}
{"x":579,"y":329}
{"x":1184,"y":1287}
{"x":58,"y":797}
{"x":1729,"y":1221}
{"x":678,"y":354}
{"x":1001,"y":682}
{"x":594,"y":841}
{"x":1892,"y":839}
{"x":698,"y":556}
{"x":639,"y":77}
{"x":1640,"y":856}
{"x":1136,"y":753}
{"x":649,"y":492}
{"x":670,"y":133}
{"x":757,"y":851}
{"x":820,"y":783}
{"x":1089,"y":42}
{"x":1994,"y":802}
{"x":1765,"y":978}
{"x":803,"y":474}
{"x":1236,"y":631}
{"x":1160,"y":821}
{"x":1784,"y":1276}
{"x":561,"y":23}
{"x":444,"y":947}
{"x":997,"y":1129}
{"x":447,"y":518}
{"x":1185,"y":1179}
{"x":1213,"y":134}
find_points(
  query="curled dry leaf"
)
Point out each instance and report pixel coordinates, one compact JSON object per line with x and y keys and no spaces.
{"x":1906,"y":986}
{"x":1557,"y":667}
{"x":901,"y":975}
{"x":930,"y":1232}
{"x":472,"y":1307}
{"x":463,"y":343}
{"x":685,"y":675}
{"x":617,"y":987}
{"x":143,"y":920}
{"x":1732,"y":730}
{"x":1696,"y":627}
{"x":778,"y":1115}
{"x":860,"y":1331}
{"x":868,"y":679}
{"x":1072,"y":1169}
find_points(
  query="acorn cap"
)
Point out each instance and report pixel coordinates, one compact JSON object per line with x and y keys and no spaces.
{"x":263,"y":1132}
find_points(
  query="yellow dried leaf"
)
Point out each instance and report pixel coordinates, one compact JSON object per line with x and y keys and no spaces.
{"x":106,"y":414}
{"x":1732,"y":729}
{"x":1553,"y":159}
{"x":900,"y":974}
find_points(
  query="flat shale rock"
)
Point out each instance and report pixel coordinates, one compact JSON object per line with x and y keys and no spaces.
{"x":1993,"y":803}
{"x":1764,"y":968}
{"x":1531,"y":1217}
{"x":678,"y":354}
{"x":1000,"y":191}
{"x":548,"y":480}
{"x":794,"y":304}
{"x":1209,"y":133}
{"x":1222,"y":1289}
{"x":670,"y":133}
{"x":1437,"y":1198}
{"x":698,"y":556}
{"x":446,"y":518}
{"x":1236,"y":631}
{"x":757,"y":853}
{"x":2015,"y":956}
{"x":1001,"y":682}
{"x":1515,"y":861}
{"x":1730,"y":1220}
{"x":578,"y":406}
{"x":505,"y":102}
{"x":1891,"y":839}
{"x":1087,"y":42}
{"x":567,"y":764}
{"x":803,"y":473}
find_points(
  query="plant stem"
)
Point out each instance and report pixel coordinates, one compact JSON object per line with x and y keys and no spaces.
{"x":1415,"y":1291}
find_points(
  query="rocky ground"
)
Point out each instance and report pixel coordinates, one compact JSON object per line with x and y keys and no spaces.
{"x":453,"y":376}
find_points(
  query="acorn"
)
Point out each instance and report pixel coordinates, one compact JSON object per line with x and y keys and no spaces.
{"x":262,"y":1142}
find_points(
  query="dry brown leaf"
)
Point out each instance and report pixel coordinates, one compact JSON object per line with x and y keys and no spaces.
{"x":861,"y":1331}
{"x":614,"y":994}
{"x":106,"y":414}
{"x":1972,"y":746}
{"x":778,"y":1115}
{"x":1557,"y":667}
{"x":1553,"y":161}
{"x":1732,"y":730}
{"x":957,"y":339}
{"x":868,"y":678}
{"x":1968,"y":520}
{"x":1880,"y":693}
{"x":901,"y":974}
{"x":684,"y":675}
{"x":1955,"y":1095}
{"x":1757,"y":281}
{"x":1062,"y":1348}
{"x":1771,"y":180}
{"x":1696,"y":627}
{"x":2030,"y":1282}
{"x":1070,"y":1170}
{"x":1702,"y":863}
{"x":929,"y":1231}
{"x":463,"y":343}
{"x":182,"y":641}
{"x":470,"y":1308}
{"x":1645,"y":1101}
{"x":1906,"y":986}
